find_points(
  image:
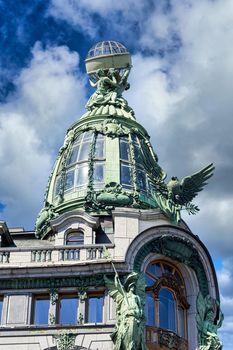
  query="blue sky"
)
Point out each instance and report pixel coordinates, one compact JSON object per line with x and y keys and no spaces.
{"x":181,"y":91}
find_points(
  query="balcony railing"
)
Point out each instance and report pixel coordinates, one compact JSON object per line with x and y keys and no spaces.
{"x":22,"y":256}
{"x":165,"y":339}
{"x":4,"y":257}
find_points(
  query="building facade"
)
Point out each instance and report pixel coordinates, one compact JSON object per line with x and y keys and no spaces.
{"x":111,"y":264}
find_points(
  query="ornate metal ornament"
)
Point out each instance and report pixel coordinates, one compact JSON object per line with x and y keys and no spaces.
{"x":209,"y":318}
{"x":65,"y":341}
{"x":53,"y":296}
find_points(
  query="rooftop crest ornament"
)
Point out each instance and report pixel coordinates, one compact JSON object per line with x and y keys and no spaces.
{"x":108,"y":64}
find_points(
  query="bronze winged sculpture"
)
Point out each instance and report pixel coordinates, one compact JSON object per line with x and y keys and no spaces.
{"x":177,"y":195}
{"x":130,"y":304}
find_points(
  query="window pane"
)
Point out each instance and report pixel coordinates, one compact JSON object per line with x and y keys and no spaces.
{"x":182,"y":322}
{"x":125,"y":175}
{"x":57,"y":186}
{"x":150,"y":309}
{"x":78,"y":139}
{"x":84,"y":151}
{"x":155,"y":269}
{"x":167,"y":310}
{"x":98,"y":172}
{"x":41,"y":311}
{"x":82,"y":177}
{"x":95,"y":309}
{"x":75,"y":238}
{"x":68,"y":310}
{"x":149,"y":281}
{"x":87,"y":135}
{"x":137,"y":155}
{"x":69,"y":180}
{"x":99,"y":147}
{"x":1,"y":305}
{"x":73,"y":155}
{"x":141,"y":179}
{"x":167,"y":269}
{"x":134,"y":139}
{"x":124,"y":150}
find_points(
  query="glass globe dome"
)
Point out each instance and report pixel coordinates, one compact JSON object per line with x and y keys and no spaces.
{"x":106,"y":48}
{"x":107,"y":54}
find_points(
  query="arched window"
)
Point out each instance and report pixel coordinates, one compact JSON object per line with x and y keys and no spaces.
{"x":167,"y":310}
{"x":166,"y":303}
{"x":75,"y":238}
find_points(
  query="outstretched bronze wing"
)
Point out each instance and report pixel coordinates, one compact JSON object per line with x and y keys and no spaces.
{"x":191,"y":185}
{"x":115,"y":290}
{"x":141,"y":288}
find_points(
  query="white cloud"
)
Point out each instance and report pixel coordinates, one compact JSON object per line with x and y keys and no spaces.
{"x":50,"y":92}
{"x":118,"y":15}
{"x":49,"y":97}
{"x":24,"y":169}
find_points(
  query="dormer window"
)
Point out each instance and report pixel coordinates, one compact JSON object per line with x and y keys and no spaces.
{"x":75,"y":238}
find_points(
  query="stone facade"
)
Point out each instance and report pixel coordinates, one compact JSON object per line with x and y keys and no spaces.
{"x":36,"y":267}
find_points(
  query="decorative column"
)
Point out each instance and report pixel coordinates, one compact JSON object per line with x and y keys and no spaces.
{"x":53,"y":306}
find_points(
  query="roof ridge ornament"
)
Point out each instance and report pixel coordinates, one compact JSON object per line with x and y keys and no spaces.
{"x":108,"y":64}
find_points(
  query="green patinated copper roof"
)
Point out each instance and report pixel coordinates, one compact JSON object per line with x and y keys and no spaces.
{"x":107,"y":159}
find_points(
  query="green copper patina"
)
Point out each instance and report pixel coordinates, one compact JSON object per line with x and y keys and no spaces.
{"x":65,"y":341}
{"x":179,"y":249}
{"x":129,"y":333}
{"x":107,"y":160}
{"x":209,"y":319}
{"x":108,"y":96}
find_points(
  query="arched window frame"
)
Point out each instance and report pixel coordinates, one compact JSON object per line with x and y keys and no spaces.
{"x":170,"y":282}
{"x":77,"y":232}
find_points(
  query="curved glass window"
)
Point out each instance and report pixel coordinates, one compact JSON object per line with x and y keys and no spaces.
{"x":125,"y":163}
{"x":165,"y":298}
{"x":132,"y":162}
{"x":75,"y":238}
{"x":84,"y":149}
{"x":167,"y":310}
{"x":98,"y":174}
{"x":141,"y":174}
{"x":150,"y":309}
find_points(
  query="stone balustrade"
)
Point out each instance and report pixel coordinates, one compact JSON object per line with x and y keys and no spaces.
{"x":58,"y":255}
{"x":41,"y":255}
{"x":69,"y":254}
{"x":4,"y":257}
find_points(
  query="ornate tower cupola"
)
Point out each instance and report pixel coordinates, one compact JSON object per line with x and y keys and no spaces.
{"x":107,"y":160}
